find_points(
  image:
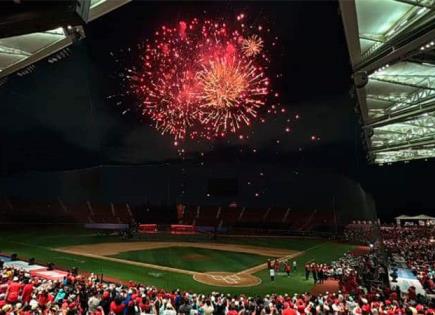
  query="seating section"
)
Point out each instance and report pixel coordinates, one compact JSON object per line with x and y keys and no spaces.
{"x":123,"y":212}
{"x":101,"y":213}
{"x":253,"y":215}
{"x":273,"y":218}
{"x":154,"y":214}
{"x":207,"y":216}
{"x":80,"y":212}
{"x":230,"y":216}
{"x":189,"y":215}
{"x":59,"y":211}
{"x":14,"y":210}
{"x":276,"y":215}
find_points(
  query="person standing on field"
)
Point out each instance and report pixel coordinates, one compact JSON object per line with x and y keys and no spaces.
{"x":272,"y":274}
{"x":307,"y":271}
{"x":314,"y":270}
{"x":269,"y":263}
{"x":287,"y":268}
{"x":276,"y":265}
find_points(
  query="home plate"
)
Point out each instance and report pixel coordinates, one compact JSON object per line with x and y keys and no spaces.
{"x":227,"y":279}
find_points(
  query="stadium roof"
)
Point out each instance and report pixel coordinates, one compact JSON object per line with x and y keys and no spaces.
{"x":392,"y":49}
{"x":19,"y":52}
{"x":101,"y":7}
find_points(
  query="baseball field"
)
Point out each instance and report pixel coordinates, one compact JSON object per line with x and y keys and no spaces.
{"x":227,"y":264}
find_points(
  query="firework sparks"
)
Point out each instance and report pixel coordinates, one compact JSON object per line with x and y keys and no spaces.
{"x":232,"y":93}
{"x":252,"y":46}
{"x":199,"y":79}
{"x":223,"y":83}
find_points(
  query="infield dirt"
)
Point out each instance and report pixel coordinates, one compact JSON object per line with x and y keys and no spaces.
{"x":244,"y":278}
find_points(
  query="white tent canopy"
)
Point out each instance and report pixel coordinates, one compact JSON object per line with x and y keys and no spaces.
{"x":421,"y":217}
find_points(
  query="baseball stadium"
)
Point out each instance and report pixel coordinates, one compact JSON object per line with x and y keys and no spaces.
{"x":217,"y":157}
{"x":207,"y":248}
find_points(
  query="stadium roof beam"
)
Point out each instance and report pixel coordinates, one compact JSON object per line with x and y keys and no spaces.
{"x":427,"y":143}
{"x":13,"y":51}
{"x":373,"y":38}
{"x":399,"y":117}
{"x":392,"y":51}
{"x":19,"y":52}
{"x":419,"y":3}
{"x":417,"y":97}
{"x":398,"y":82}
{"x":394,"y":55}
{"x":381,"y":27}
{"x":403,"y":154}
{"x":404,"y":135}
{"x":395,"y":109}
{"x":101,"y":7}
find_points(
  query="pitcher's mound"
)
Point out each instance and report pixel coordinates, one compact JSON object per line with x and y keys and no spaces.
{"x":227,"y":279}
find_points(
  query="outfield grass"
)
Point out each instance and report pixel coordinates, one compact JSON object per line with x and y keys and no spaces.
{"x":195,"y":259}
{"x":40,"y":244}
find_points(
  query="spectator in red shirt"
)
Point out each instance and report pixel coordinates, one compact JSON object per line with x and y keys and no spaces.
{"x":44,"y":298}
{"x":276,"y":265}
{"x":13,"y":291}
{"x":27,"y":291}
{"x":117,"y":306}
{"x":287,"y":310}
{"x":288,"y":268}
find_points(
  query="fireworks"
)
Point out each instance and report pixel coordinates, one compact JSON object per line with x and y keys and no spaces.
{"x":252,"y":46}
{"x":200,"y":79}
{"x":225,"y":85}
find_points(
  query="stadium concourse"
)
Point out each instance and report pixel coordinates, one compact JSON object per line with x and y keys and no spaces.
{"x":365,"y":287}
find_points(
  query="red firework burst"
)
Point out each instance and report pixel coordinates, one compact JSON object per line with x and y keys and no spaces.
{"x":201,"y":79}
{"x":232,"y":92}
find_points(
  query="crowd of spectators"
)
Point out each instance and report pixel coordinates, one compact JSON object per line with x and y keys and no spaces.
{"x":412,"y":247}
{"x":363,"y":290}
{"x":366,"y":232}
{"x":350,"y":270}
{"x":21,"y":294}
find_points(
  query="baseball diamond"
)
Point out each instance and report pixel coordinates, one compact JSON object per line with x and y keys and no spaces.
{"x":237,"y":264}
{"x":245,"y":277}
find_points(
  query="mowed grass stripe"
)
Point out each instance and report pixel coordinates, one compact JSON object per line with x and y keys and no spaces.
{"x":195,"y":259}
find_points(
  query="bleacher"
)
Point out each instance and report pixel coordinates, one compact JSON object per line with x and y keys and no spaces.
{"x":324,"y":221}
{"x":202,"y":216}
{"x":80,"y":212}
{"x":230,"y":216}
{"x":276,"y":215}
{"x":295,"y":219}
{"x":27,"y":212}
{"x":122,"y":212}
{"x":250,"y":215}
{"x":189,"y":215}
{"x":154,"y":214}
{"x":101,"y":213}
{"x":208,"y":216}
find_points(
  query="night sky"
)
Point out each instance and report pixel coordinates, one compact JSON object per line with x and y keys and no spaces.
{"x":317,"y":87}
{"x":59,"y":117}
